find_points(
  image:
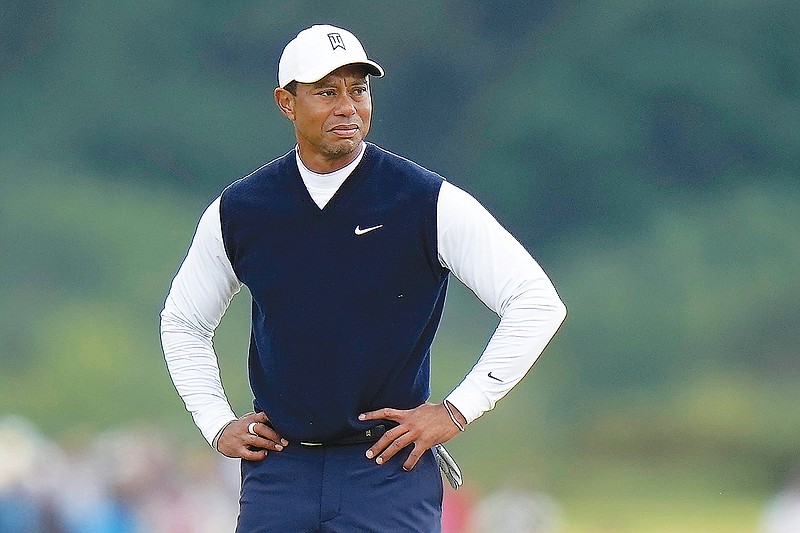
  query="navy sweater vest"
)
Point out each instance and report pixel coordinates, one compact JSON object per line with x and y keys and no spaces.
{"x":343,"y":318}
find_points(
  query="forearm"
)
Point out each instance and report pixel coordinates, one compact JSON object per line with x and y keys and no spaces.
{"x":197,"y":300}
{"x":194,"y":371}
{"x":488,"y":260}
{"x":520,"y":338}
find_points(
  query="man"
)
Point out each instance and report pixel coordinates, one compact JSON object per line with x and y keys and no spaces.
{"x":346,"y":249}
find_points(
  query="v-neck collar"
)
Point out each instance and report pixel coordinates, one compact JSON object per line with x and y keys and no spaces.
{"x":351,"y":183}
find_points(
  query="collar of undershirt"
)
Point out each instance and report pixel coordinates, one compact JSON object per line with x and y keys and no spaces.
{"x":322,"y":187}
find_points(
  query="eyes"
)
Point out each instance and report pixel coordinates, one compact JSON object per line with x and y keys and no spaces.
{"x":356,"y":92}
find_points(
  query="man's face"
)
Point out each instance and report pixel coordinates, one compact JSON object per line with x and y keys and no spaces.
{"x":331,"y":117}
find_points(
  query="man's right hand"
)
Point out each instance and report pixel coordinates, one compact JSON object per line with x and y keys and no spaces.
{"x":236,"y":441}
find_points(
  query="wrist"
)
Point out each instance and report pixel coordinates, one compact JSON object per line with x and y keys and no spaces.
{"x":455,"y":415}
{"x":215,"y":442}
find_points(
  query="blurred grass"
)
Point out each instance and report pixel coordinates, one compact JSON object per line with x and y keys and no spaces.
{"x":623,"y":496}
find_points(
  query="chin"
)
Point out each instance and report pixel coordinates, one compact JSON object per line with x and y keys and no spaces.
{"x":344,"y":147}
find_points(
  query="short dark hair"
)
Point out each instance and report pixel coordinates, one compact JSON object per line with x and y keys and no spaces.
{"x":291,"y":87}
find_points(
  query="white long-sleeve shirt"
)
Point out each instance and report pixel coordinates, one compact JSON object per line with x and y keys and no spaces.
{"x":471,"y":244}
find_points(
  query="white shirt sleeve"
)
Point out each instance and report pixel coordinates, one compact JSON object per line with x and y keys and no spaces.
{"x":504,"y":276}
{"x":198,"y":298}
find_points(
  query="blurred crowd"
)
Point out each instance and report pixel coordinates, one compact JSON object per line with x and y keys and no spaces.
{"x":130,"y":481}
{"x":137,"y":481}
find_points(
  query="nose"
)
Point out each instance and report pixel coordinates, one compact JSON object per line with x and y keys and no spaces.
{"x":345,"y":106}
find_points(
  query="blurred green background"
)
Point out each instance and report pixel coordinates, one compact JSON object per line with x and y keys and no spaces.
{"x":645,"y":152}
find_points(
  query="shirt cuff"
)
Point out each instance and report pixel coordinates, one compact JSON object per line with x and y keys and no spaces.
{"x":211,"y":428}
{"x":470,"y":400}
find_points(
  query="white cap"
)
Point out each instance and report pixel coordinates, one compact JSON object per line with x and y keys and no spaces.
{"x":319,"y":50}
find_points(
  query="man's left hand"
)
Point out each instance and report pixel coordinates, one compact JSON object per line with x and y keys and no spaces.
{"x":423,"y":427}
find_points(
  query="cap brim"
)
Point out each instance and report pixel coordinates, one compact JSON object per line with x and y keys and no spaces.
{"x":373,"y":69}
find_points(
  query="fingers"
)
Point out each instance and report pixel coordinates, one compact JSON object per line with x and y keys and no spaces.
{"x":386,"y":413}
{"x":423,"y":427}
{"x":266,"y":437}
{"x":250,"y":438}
{"x":255,"y":441}
{"x":389,"y":444}
{"x":386,"y":448}
{"x":253,"y":455}
{"x":393,"y":441}
{"x":413,"y":458}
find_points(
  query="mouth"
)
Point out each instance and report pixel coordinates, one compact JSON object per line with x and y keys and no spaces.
{"x":345,"y":130}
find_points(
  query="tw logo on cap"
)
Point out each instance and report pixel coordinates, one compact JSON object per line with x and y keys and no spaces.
{"x":336,"y":41}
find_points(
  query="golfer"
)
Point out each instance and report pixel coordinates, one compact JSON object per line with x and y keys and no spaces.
{"x":346,"y":249}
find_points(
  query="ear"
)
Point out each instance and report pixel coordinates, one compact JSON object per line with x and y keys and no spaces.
{"x":285,"y":102}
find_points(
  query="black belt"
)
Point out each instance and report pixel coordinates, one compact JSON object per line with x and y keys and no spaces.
{"x":368,"y":435}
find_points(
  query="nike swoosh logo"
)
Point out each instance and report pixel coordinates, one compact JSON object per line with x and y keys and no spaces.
{"x":495,"y":378}
{"x":360,"y":231}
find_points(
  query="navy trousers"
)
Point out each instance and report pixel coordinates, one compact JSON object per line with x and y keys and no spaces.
{"x":336,"y":489}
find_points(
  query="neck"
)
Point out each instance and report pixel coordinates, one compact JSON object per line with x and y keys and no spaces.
{"x":324,"y":165}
